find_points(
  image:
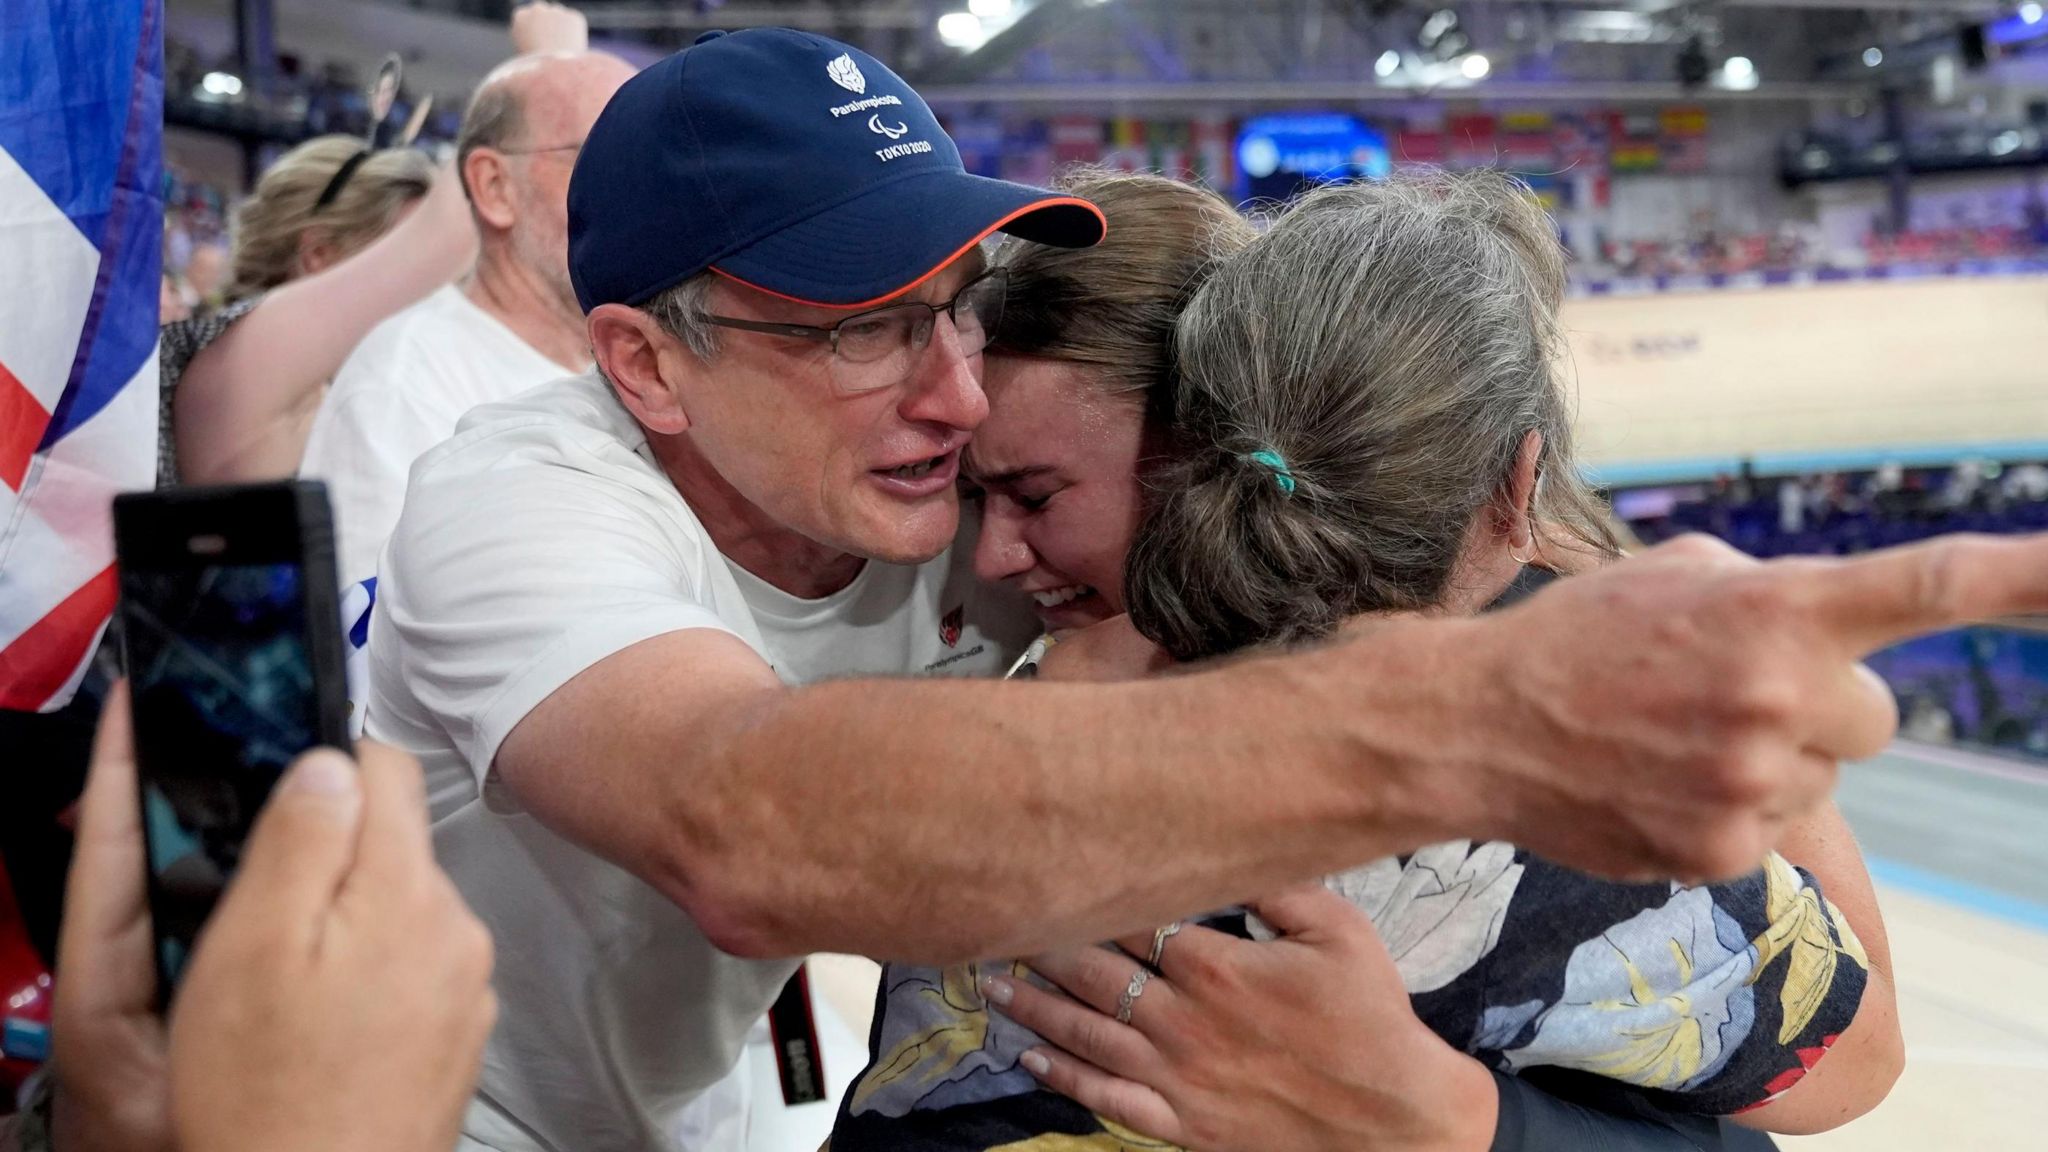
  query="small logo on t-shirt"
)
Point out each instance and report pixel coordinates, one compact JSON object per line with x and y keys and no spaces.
{"x":950,"y":625}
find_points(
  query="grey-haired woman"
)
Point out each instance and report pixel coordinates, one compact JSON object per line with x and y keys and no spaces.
{"x":1358,"y":418}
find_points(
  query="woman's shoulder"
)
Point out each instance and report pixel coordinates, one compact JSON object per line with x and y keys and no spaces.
{"x":181,"y":340}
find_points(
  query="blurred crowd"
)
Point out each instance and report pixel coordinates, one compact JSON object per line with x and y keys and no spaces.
{"x":328,"y":96}
{"x":195,"y":245}
{"x":1795,"y":249}
{"x":2020,"y":240}
{"x":196,"y":236}
{"x":1710,"y":253}
{"x":1842,"y":513}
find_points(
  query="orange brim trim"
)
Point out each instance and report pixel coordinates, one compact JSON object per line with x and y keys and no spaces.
{"x":957,"y":253}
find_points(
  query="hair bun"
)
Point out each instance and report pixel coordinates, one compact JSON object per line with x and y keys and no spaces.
{"x":1274,"y":463}
{"x":1229,"y":556}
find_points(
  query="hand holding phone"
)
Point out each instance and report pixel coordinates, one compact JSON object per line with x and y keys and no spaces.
{"x":342,"y":997}
{"x":339,"y":1000}
{"x":108,"y":1042}
{"x":231,"y":624}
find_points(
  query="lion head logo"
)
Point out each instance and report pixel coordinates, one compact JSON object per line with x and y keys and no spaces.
{"x":846,"y":74}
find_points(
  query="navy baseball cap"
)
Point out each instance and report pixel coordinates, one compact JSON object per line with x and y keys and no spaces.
{"x":793,"y":164}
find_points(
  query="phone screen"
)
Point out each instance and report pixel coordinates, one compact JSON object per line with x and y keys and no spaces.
{"x":224,"y":678}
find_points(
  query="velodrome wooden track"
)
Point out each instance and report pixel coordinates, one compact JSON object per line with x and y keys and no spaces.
{"x":1958,"y":844}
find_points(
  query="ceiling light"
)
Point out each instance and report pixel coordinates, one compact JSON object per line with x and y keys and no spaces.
{"x":1388,"y":64}
{"x":221,"y":84}
{"x":2030,"y":12}
{"x":962,"y":30}
{"x":1609,"y":27}
{"x":1873,"y":56}
{"x":2005,"y":143}
{"x":1475,"y":66}
{"x":989,"y":9}
{"x":1738,"y":73}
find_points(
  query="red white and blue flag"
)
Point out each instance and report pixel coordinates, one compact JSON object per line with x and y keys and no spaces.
{"x":81,"y":235}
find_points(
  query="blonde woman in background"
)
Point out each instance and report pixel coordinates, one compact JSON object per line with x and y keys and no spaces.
{"x":308,"y":279}
{"x":320,"y":203}
{"x":335,"y":238}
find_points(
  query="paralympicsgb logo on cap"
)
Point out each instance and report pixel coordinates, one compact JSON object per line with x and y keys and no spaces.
{"x":846,"y":74}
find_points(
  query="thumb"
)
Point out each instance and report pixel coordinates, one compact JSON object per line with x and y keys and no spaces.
{"x":100,"y":951}
{"x":1316,"y":917}
{"x":1310,"y":910}
{"x":303,"y":844}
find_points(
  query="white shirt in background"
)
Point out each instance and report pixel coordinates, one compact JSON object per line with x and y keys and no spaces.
{"x":539,"y":540}
{"x":400,"y":393}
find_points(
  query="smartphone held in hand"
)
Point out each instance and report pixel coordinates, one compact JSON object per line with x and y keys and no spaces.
{"x":231,"y":629}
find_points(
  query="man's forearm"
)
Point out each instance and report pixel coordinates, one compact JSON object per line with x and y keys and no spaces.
{"x":1531,"y":1120}
{"x":939,"y":821}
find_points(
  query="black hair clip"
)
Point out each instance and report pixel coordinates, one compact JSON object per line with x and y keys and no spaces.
{"x":340,"y":179}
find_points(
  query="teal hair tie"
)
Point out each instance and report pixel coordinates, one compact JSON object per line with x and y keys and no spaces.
{"x":1276,"y":464}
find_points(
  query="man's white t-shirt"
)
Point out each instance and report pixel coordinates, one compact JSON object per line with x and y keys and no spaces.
{"x":539,"y":540}
{"x":397,"y":395}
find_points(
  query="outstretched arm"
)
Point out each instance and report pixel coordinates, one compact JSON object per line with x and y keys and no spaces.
{"x":1667,"y":716}
{"x":246,"y":402}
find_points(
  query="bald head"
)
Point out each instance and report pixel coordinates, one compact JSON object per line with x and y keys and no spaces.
{"x":517,"y":150}
{"x":541,"y":101}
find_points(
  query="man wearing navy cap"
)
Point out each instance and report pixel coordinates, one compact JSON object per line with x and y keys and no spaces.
{"x":637,"y":625}
{"x":780,"y":255}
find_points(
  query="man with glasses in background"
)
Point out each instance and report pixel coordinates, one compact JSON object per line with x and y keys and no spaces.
{"x":513,"y":324}
{"x":700,"y":676}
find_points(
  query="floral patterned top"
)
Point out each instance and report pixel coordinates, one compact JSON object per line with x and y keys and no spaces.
{"x":1708,"y":1000}
{"x":1704,"y":1000}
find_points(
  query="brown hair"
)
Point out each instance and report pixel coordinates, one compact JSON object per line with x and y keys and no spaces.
{"x":1112,"y":307}
{"x":1390,"y":345}
{"x":270,"y":222}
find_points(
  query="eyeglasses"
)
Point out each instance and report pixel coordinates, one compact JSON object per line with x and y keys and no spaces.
{"x":871,"y":350}
{"x":576,"y":147}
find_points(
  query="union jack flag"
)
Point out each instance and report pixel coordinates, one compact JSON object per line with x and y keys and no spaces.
{"x":81,"y":233}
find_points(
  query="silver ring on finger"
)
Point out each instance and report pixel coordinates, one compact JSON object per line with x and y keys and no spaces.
{"x":1129,"y":998}
{"x":1159,"y":945}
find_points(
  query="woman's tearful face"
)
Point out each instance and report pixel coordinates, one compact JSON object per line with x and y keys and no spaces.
{"x":1057,"y":465}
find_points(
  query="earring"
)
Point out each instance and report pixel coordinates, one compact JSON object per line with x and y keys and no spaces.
{"x":1525,"y":561}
